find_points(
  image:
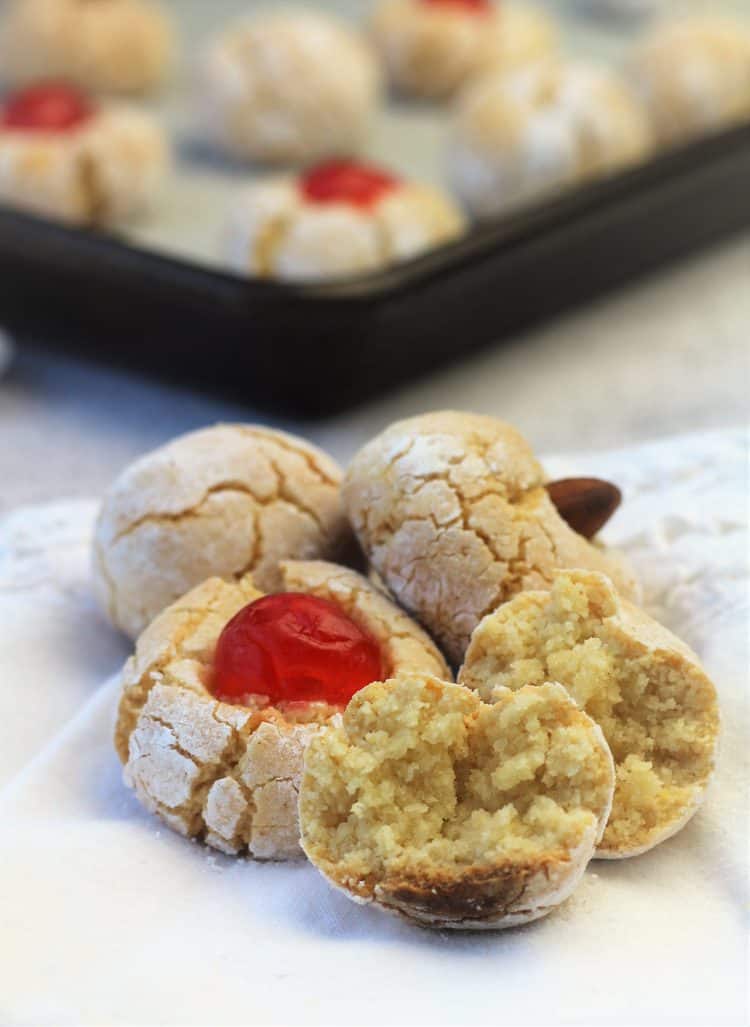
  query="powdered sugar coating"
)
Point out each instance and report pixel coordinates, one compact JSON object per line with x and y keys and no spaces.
{"x":230,"y":774}
{"x":518,"y":137}
{"x":273,"y":231}
{"x":226,"y":500}
{"x":452,"y":511}
{"x":106,"y":171}
{"x":287,"y":87}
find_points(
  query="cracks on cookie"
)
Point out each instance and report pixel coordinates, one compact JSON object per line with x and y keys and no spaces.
{"x":228,"y":486}
{"x":288,"y":446}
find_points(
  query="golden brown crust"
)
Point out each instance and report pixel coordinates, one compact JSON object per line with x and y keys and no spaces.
{"x":452,"y":511}
{"x":363,"y":777}
{"x":647,"y":689}
{"x":223,"y":773}
{"x":227,"y":500}
{"x":480,"y":896}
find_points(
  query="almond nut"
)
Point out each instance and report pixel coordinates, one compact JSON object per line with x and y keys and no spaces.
{"x":586,"y":504}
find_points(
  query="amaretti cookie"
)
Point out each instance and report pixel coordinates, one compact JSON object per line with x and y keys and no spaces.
{"x":287,"y":87}
{"x":452,"y":510}
{"x":338,"y":218}
{"x":227,"y":501}
{"x":432,"y":47}
{"x":67,"y":156}
{"x":429,"y":803}
{"x":644,"y":687}
{"x":693,"y":76}
{"x":515,"y":138}
{"x":227,"y":687}
{"x":122,"y":46}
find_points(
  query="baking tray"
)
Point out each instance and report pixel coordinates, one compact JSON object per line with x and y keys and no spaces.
{"x":157,"y":299}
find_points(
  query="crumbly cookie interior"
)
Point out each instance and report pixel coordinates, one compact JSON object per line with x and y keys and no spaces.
{"x":657,"y":713}
{"x":421,"y":780}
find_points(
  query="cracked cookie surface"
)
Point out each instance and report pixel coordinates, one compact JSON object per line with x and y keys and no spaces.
{"x":430,"y":803}
{"x":644,"y":687}
{"x":230,"y":774}
{"x":226,"y":501}
{"x":452,"y":512}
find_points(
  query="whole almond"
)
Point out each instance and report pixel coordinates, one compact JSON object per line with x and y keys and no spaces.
{"x":585,"y":503}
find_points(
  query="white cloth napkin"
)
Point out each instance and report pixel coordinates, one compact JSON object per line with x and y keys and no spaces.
{"x":108,"y":917}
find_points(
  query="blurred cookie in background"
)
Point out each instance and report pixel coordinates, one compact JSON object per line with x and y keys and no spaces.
{"x":119,"y":46}
{"x":287,"y":87}
{"x":618,"y":10}
{"x":693,"y":75}
{"x":516,"y":138}
{"x":339,"y":218}
{"x":431,"y":48}
{"x":67,"y":156}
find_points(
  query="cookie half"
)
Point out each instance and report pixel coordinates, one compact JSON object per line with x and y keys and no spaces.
{"x":430,"y":803}
{"x":644,"y":687}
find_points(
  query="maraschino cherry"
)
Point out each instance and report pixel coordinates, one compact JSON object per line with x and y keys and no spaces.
{"x":46,"y":107}
{"x":346,"y":181}
{"x":472,"y":6}
{"x":294,"y":648}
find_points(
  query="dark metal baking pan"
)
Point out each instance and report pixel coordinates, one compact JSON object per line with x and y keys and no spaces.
{"x":312,"y":350}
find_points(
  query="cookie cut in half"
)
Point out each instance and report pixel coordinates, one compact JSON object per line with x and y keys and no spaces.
{"x":452,"y":511}
{"x":644,"y":687}
{"x":454,"y":813}
{"x":227,"y":772}
{"x":226,"y":501}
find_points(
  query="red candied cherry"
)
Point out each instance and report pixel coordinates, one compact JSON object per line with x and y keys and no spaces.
{"x":471,"y":6}
{"x":345,"y":181}
{"x":47,"y":107}
{"x":294,"y":648}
